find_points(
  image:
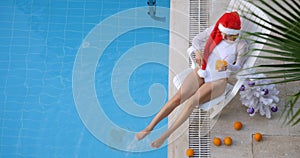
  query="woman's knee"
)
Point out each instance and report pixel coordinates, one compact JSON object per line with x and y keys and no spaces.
{"x":193,"y":101}
{"x":177,"y":98}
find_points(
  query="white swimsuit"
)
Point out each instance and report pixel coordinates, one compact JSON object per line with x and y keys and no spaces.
{"x":233,"y":53}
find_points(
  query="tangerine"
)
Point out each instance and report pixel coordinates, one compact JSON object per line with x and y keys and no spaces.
{"x":257,"y":136}
{"x":220,"y":64}
{"x":227,"y":141}
{"x":217,"y":141}
{"x":189,"y":152}
{"x":238,"y":125}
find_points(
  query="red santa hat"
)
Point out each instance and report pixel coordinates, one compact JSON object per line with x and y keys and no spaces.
{"x":229,"y":23}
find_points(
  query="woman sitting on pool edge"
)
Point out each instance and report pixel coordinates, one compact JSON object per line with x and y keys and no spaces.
{"x":205,"y":83}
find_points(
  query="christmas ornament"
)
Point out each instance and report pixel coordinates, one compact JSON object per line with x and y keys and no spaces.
{"x":242,"y":88}
{"x":251,"y":83}
{"x":259,"y":96}
{"x":274,"y":108}
{"x":250,"y":110}
{"x":265,"y":91}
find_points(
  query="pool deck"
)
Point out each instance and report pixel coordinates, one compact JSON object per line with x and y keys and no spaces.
{"x":278,"y":140}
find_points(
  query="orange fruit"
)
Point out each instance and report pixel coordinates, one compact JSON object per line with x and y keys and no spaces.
{"x":225,"y":63}
{"x":220,"y":64}
{"x":238,"y":125}
{"x":227,"y":141}
{"x":217,"y":141}
{"x":257,"y":136}
{"x":189,"y":152}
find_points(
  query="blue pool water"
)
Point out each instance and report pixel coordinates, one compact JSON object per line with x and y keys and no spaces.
{"x":49,"y":48}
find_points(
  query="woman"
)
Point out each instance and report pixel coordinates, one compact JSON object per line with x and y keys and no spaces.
{"x":209,"y":81}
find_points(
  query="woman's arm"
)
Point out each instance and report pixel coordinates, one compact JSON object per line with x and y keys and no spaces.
{"x":242,"y":49}
{"x":199,"y":40}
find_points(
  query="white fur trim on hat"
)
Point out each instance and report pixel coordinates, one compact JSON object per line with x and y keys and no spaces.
{"x":201,"y":73}
{"x":228,"y":30}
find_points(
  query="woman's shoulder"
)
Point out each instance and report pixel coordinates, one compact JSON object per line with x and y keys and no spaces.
{"x":242,"y":43}
{"x":210,"y":28}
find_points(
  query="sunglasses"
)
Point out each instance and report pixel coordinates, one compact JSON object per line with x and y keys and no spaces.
{"x":231,"y":37}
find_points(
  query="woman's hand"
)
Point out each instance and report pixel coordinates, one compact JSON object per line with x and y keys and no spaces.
{"x":199,"y":57}
{"x":223,"y":68}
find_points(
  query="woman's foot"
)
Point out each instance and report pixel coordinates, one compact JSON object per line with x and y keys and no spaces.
{"x":158,"y":142}
{"x":142,"y":134}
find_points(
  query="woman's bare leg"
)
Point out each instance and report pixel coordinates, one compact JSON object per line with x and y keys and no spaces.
{"x":190,"y":85}
{"x":205,"y":93}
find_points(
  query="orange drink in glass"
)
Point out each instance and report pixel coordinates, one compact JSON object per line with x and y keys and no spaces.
{"x":220,"y":64}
